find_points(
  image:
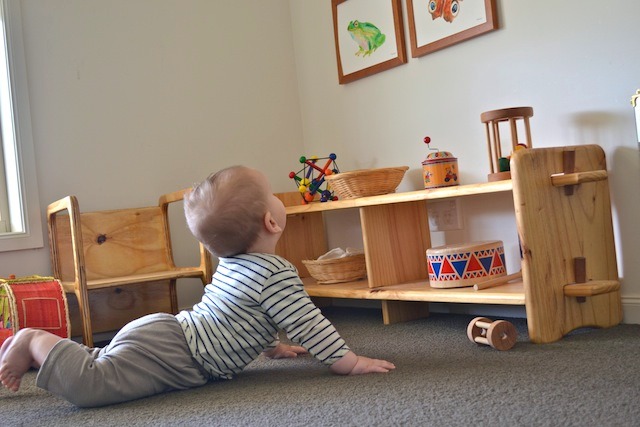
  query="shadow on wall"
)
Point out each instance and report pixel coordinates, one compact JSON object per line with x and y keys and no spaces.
{"x":624,"y":168}
{"x":598,"y":127}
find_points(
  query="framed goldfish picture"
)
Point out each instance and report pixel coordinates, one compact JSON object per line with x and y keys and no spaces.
{"x":369,"y":37}
{"x":436,"y":24}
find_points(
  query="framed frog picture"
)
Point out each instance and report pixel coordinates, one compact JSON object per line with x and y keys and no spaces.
{"x":369,"y":37}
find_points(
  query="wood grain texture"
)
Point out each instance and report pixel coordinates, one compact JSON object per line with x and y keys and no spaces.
{"x":116,"y":243}
{"x":403,"y":311}
{"x":554,"y":229}
{"x":396,"y":238}
{"x":112,"y":308}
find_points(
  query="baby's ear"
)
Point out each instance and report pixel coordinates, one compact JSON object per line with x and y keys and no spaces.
{"x":270,"y":224}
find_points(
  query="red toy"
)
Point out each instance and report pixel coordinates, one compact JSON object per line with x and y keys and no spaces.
{"x":33,"y":302}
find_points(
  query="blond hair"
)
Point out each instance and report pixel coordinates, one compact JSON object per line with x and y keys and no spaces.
{"x":225,"y":211}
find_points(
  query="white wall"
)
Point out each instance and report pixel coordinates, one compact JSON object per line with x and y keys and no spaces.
{"x":576,"y":63}
{"x":131,"y":99}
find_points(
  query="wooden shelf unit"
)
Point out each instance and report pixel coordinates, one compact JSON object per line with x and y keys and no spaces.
{"x":396,"y":235}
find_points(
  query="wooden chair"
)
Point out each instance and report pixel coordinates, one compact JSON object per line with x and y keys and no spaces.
{"x":110,"y":251}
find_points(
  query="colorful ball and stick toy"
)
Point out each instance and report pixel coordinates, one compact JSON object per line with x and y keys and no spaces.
{"x":310,"y":179}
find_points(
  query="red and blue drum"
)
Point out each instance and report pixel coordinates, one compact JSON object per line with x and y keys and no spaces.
{"x":465,"y":264}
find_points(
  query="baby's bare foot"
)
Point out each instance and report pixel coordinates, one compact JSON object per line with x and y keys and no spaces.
{"x":15,"y":359}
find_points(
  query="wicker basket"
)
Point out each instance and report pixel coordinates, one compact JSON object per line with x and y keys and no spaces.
{"x":337,"y":270}
{"x":366,"y":182}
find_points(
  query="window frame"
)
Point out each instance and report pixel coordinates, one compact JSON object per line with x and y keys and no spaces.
{"x":22,"y":177}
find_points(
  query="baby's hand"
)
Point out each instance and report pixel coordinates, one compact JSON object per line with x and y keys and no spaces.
{"x":366,"y":365}
{"x":352,"y":364}
{"x":282,"y":351}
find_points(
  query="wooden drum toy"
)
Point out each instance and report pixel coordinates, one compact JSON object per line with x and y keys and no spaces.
{"x":465,"y":264}
{"x":500,"y":334}
{"x":33,"y":302}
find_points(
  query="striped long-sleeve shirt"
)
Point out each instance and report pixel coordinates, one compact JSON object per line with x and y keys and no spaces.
{"x":251,"y":297}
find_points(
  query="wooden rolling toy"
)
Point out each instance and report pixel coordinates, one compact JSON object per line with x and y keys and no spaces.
{"x":500,"y":168}
{"x":500,"y":334}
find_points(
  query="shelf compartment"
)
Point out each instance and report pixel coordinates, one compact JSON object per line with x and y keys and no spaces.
{"x":392,"y":236}
{"x":509,"y":294}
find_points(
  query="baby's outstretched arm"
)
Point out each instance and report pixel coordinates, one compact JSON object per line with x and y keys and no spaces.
{"x":352,"y":364}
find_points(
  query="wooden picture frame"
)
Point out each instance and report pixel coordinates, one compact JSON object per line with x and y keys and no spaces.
{"x":369,"y":37}
{"x":433,"y":25}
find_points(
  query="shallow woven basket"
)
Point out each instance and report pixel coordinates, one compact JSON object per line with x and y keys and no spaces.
{"x":337,"y":270}
{"x":366,"y":182}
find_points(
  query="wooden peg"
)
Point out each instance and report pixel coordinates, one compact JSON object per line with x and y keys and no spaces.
{"x":580,"y":269}
{"x":498,"y":281}
{"x":568,"y":166}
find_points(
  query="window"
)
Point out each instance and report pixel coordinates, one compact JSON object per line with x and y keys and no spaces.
{"x":20,"y":220}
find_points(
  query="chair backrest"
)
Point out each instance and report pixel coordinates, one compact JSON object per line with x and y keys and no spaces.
{"x":117,"y":243}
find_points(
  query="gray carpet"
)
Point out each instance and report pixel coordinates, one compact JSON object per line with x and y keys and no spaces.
{"x":590,"y":378}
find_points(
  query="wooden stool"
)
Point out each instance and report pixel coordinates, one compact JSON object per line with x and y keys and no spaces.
{"x":499,"y":163}
{"x":500,"y":334}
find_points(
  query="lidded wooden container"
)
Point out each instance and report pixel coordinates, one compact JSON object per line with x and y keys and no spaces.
{"x":439,"y":169}
{"x":465,"y":264}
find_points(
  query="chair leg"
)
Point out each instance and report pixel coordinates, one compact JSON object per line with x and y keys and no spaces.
{"x":173,"y":295}
{"x":85,"y":317}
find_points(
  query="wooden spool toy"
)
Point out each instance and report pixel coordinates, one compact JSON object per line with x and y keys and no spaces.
{"x":500,"y":163}
{"x":500,"y":334}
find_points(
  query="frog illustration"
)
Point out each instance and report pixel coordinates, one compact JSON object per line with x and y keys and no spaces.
{"x":367,"y":35}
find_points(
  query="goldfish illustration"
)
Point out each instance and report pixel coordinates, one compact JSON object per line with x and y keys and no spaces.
{"x":446,"y":9}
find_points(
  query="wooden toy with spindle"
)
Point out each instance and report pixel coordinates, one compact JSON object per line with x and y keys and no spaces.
{"x":501,"y":335}
{"x":500,"y":168}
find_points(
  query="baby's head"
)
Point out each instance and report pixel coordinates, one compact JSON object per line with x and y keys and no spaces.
{"x":226,"y":211}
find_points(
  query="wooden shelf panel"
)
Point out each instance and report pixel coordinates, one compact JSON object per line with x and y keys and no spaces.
{"x":409,"y":196}
{"x":178,"y":273}
{"x":509,"y":294}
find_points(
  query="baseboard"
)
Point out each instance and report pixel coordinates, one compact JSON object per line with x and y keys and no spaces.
{"x":631,"y":310}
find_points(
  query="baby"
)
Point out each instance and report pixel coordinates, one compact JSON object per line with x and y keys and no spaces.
{"x":253,"y":294}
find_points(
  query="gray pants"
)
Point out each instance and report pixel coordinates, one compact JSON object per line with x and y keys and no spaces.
{"x":148,"y":356}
